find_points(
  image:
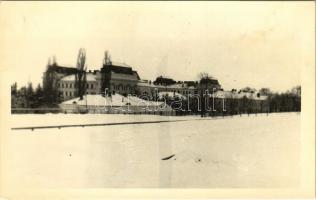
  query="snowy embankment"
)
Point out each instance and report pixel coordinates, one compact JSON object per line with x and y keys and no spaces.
{"x":249,"y":151}
{"x":114,"y":104}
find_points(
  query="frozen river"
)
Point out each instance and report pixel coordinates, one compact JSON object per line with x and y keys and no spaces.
{"x":249,"y":151}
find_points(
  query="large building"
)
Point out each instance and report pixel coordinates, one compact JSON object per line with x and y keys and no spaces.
{"x":112,"y":78}
{"x":122,"y":79}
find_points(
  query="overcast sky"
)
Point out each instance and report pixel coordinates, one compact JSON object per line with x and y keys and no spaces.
{"x":256,"y":44}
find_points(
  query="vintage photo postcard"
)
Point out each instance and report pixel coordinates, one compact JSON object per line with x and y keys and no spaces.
{"x":157,"y":99}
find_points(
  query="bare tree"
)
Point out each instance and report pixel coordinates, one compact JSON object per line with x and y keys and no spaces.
{"x":248,"y":89}
{"x":14,"y":88}
{"x":105,"y":78}
{"x":204,"y":78}
{"x":50,"y":92}
{"x":107,"y":58}
{"x":265,"y":91}
{"x":296,"y":90}
{"x":81,"y":73}
{"x":203,"y":75}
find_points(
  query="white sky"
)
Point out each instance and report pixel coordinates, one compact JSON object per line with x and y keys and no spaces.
{"x":256,"y":44}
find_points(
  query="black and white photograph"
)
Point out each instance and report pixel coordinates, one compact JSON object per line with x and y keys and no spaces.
{"x":156,"y":96}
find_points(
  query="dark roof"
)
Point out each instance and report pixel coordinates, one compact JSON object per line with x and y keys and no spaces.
{"x":135,"y":72}
{"x":164,"y":81}
{"x":191,"y":83}
{"x":62,"y":69}
{"x":209,"y":81}
{"x":119,"y":69}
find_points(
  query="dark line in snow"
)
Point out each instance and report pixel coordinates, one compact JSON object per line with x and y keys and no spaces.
{"x":107,"y":124}
{"x":103,"y":124}
{"x":167,"y":158}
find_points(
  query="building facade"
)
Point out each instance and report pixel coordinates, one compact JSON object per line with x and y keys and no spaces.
{"x":67,"y":87}
{"x":118,"y":78}
{"x":122,"y":79}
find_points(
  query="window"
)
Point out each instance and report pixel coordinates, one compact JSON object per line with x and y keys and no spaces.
{"x":62,"y":85}
{"x":66,"y":93}
{"x":91,"y":86}
{"x":66,"y":85}
{"x":70,"y":85}
{"x":58,"y":85}
{"x":70,"y":93}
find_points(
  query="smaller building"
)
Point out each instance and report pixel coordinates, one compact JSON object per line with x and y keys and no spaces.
{"x":67,"y":87}
{"x":152,"y":91}
{"x":168,"y":86}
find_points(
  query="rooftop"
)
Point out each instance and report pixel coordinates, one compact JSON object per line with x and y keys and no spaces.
{"x":62,"y":69}
{"x":89,"y":77}
{"x":120,"y":68}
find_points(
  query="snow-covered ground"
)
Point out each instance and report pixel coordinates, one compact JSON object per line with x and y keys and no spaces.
{"x":249,"y":151}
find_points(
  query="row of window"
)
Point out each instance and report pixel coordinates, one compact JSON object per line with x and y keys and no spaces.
{"x":121,"y":87}
{"x":184,"y":92}
{"x":72,"y":94}
{"x":73,"y":85}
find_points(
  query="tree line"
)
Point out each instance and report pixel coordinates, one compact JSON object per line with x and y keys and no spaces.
{"x":46,"y":97}
{"x":285,"y":102}
{"x":289,"y":101}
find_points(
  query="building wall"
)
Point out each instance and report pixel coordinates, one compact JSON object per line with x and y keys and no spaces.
{"x":151,"y":89}
{"x":123,"y":87}
{"x":67,"y":89}
{"x":124,"y":84}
